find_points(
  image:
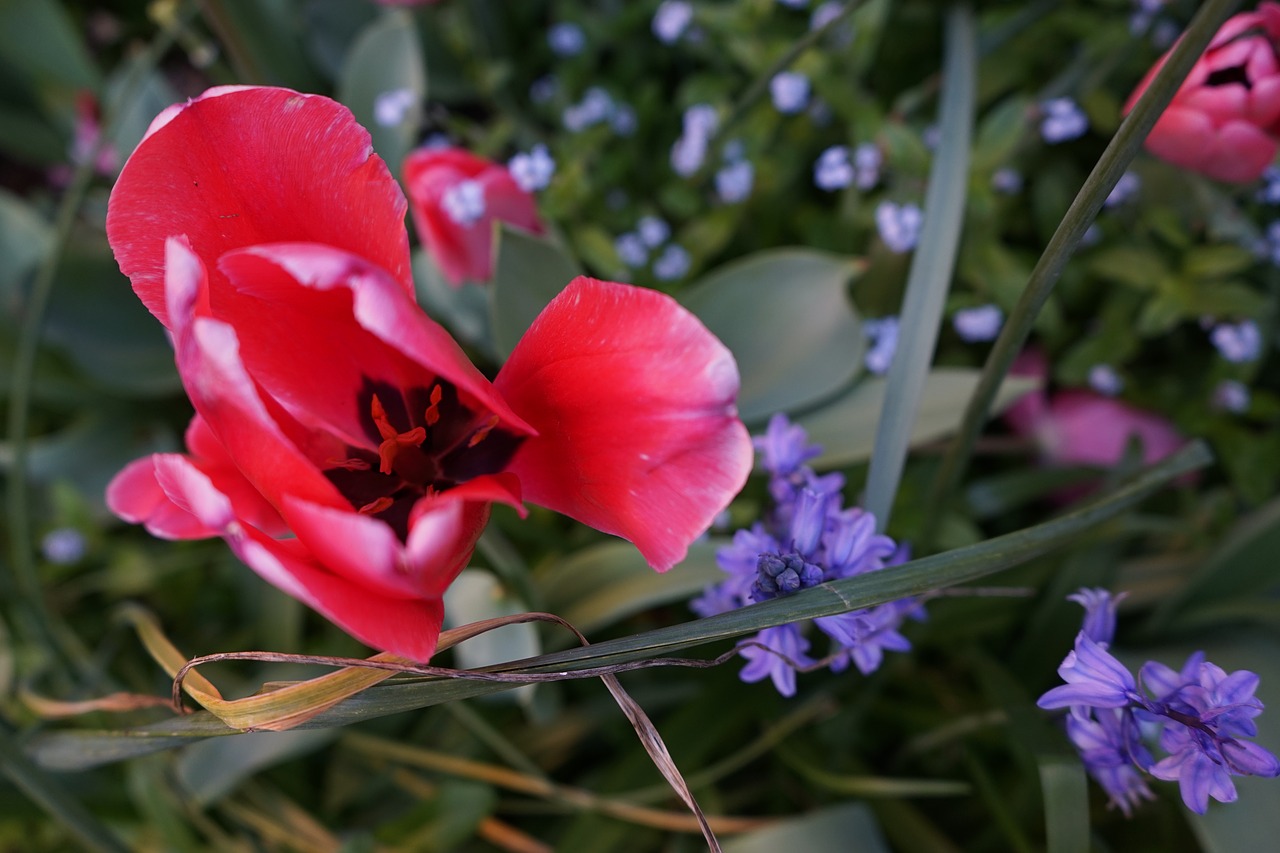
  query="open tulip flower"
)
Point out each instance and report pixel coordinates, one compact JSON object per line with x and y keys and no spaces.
{"x":455,"y":198}
{"x":343,"y":444}
{"x":1224,"y":121}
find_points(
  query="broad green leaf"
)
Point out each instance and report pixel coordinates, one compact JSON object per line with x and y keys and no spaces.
{"x":38,"y":38}
{"x":846,"y":427}
{"x":1221,"y":261}
{"x":528,"y":272}
{"x":1131,"y":265}
{"x":1066,"y":804}
{"x":83,"y":749}
{"x":266,"y":46}
{"x":598,"y":586}
{"x":932,"y":266}
{"x":476,"y":595}
{"x":1000,"y":133}
{"x":385,"y":69}
{"x":839,"y":829}
{"x":147,"y":97}
{"x":785,"y":315}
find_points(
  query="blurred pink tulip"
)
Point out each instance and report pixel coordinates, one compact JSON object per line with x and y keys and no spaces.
{"x":1225,"y":119}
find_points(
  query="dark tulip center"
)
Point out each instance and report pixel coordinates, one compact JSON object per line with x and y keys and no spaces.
{"x":427,"y":442}
{"x":1227,"y":76}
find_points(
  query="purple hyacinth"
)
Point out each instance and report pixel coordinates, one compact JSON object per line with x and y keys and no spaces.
{"x":806,"y":538}
{"x":1200,"y":714}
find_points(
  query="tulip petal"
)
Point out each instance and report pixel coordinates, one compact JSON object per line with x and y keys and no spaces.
{"x":225,"y":396}
{"x":303,"y":311}
{"x":402,"y":626}
{"x":633,"y":400}
{"x":137,"y":496}
{"x":247,"y":165}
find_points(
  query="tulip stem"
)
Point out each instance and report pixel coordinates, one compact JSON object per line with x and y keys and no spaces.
{"x":1084,"y":209}
{"x":34,"y":617}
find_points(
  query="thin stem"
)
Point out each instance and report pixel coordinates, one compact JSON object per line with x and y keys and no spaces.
{"x":1115,"y":159}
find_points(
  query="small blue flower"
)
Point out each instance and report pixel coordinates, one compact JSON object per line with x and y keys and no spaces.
{"x":1269,"y":193}
{"x":464,"y":203}
{"x":631,"y":250}
{"x":975,"y":325}
{"x":532,"y":171}
{"x":543,"y":89}
{"x":671,"y":20}
{"x":1232,"y":396}
{"x":790,"y":91}
{"x":392,"y":107}
{"x":624,"y":121}
{"x":1007,"y":181}
{"x":1124,"y":190}
{"x":672,"y":264}
{"x":883,"y":333}
{"x":63,"y":546}
{"x":867,"y":160}
{"x":566,"y":39}
{"x":653,"y":230}
{"x":825,"y":14}
{"x":1062,"y":120}
{"x":899,"y":225}
{"x":833,"y":170}
{"x":785,"y":650}
{"x":734,"y":181}
{"x":1104,"y":379}
{"x":784,"y":447}
{"x":1237,"y":342}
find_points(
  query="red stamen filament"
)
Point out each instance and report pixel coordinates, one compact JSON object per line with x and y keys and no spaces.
{"x":392,"y":439}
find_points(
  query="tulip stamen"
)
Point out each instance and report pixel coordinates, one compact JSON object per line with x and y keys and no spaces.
{"x":392,"y":439}
{"x":433,"y":411}
{"x":376,"y":506}
{"x":483,"y":433}
{"x":352,"y":464}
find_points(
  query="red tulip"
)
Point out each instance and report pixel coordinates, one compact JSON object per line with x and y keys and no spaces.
{"x":456,"y":197}
{"x":343,"y":444}
{"x":1224,"y":121}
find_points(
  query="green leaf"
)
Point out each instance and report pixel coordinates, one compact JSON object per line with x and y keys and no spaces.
{"x":83,"y":749}
{"x":386,"y":58}
{"x":38,"y":38}
{"x":598,"y":586}
{"x":212,"y":769}
{"x":932,"y":266}
{"x":146,"y":98}
{"x":1137,"y":267}
{"x":528,"y":272}
{"x":24,"y":240}
{"x":829,"y":830}
{"x":1222,"y":261}
{"x":846,"y":427}
{"x":1066,"y":804}
{"x":785,"y":316}
{"x":465,"y":309}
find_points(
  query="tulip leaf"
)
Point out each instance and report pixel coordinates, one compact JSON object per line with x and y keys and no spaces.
{"x":38,"y":39}
{"x":82,"y":749}
{"x":24,"y":239}
{"x":786,"y":317}
{"x":384,"y":83}
{"x":846,"y":427}
{"x":597,"y":586}
{"x":827,"y":830}
{"x":210,"y":770}
{"x":528,"y":272}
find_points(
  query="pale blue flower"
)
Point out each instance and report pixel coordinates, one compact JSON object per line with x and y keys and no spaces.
{"x":464,"y":203}
{"x":392,"y":107}
{"x":1231,"y":396}
{"x":978,"y":324}
{"x":1104,"y":379}
{"x":1062,"y":120}
{"x":631,"y":250}
{"x":790,"y":91}
{"x":566,"y":39}
{"x":671,"y":20}
{"x":533,"y":170}
{"x":833,"y":170}
{"x":63,"y":546}
{"x":672,"y":264}
{"x":899,"y":225}
{"x":1237,"y":342}
{"x":734,"y":181}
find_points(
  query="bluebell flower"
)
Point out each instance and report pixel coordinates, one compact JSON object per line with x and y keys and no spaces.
{"x":1201,"y":713}
{"x":1104,"y":379}
{"x":672,"y":264}
{"x":805,"y":539}
{"x":1062,"y":120}
{"x":566,"y":39}
{"x":533,"y":170}
{"x":734,"y":181}
{"x":975,"y":325}
{"x":790,"y":91}
{"x":1237,"y":342}
{"x":1231,"y":395}
{"x":671,"y":20}
{"x":899,"y":225}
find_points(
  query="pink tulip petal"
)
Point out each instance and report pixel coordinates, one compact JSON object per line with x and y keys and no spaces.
{"x":226,"y":396}
{"x":1182,"y":137}
{"x":633,"y":400}
{"x":1264,"y":104}
{"x":212,"y":458}
{"x":305,"y":310}
{"x":1221,"y":103}
{"x":361,"y":549}
{"x":1239,"y":154}
{"x":248,"y":165}
{"x":136,"y":496}
{"x":1088,"y":429}
{"x":443,"y":529}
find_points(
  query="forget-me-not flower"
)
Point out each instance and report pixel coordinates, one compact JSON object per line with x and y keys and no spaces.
{"x":1062,"y":120}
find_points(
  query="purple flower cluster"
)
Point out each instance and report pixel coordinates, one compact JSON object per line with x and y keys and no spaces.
{"x":807,"y":538}
{"x":1201,"y":713}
